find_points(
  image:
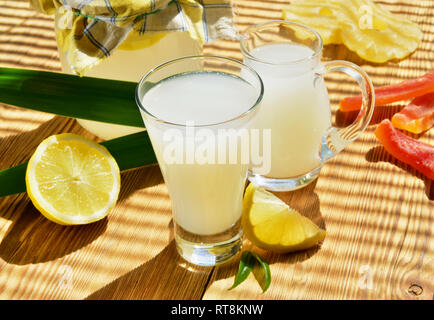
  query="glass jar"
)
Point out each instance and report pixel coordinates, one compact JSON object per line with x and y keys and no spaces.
{"x":130,"y":62}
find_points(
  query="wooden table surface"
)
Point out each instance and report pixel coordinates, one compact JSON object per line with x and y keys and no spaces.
{"x":377,"y":211}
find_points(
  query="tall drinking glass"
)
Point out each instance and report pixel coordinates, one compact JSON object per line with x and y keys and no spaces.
{"x":287,"y":56}
{"x":194,"y":109}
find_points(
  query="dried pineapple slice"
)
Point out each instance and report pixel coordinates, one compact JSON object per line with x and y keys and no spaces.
{"x":362,"y":26}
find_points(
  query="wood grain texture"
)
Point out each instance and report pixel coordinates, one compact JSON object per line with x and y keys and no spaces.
{"x":378,"y":212}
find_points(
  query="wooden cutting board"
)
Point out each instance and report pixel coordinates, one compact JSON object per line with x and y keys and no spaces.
{"x":377,"y":211}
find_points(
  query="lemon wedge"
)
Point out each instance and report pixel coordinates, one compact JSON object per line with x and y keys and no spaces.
{"x":72,"y":180}
{"x":272,"y":225}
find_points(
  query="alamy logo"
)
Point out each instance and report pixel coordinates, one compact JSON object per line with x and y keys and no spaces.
{"x":366,"y":18}
{"x":365,"y":281}
{"x":201,"y":146}
{"x":65,"y":281}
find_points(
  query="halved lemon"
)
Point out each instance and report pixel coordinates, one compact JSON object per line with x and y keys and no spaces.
{"x":271,"y":224}
{"x":72,"y":180}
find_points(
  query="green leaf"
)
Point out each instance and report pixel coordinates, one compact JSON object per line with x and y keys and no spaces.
{"x":130,"y":152}
{"x":251,"y":261}
{"x":72,"y":96}
{"x":262,"y":273}
{"x":247,"y":263}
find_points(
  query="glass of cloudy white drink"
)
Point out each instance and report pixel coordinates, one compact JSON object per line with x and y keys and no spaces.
{"x":194,"y":109}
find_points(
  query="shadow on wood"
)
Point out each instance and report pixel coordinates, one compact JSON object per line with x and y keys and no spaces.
{"x":140,"y":178}
{"x":22,"y":145}
{"x":379,"y":154}
{"x":34,"y":239}
{"x":166,"y":276}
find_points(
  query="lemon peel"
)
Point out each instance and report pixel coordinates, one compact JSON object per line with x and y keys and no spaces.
{"x":272,"y":225}
{"x":72,"y":180}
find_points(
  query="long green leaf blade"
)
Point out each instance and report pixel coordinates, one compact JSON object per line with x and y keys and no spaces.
{"x":13,"y":180}
{"x":72,"y":96}
{"x":130,"y":152}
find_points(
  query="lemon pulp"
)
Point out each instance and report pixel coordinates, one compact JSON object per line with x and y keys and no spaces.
{"x":72,"y":180}
{"x":271,"y":224}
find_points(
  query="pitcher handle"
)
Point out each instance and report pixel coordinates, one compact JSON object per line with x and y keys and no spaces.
{"x":334,"y":139}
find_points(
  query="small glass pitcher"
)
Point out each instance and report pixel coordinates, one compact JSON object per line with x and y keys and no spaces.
{"x":296,"y":105}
